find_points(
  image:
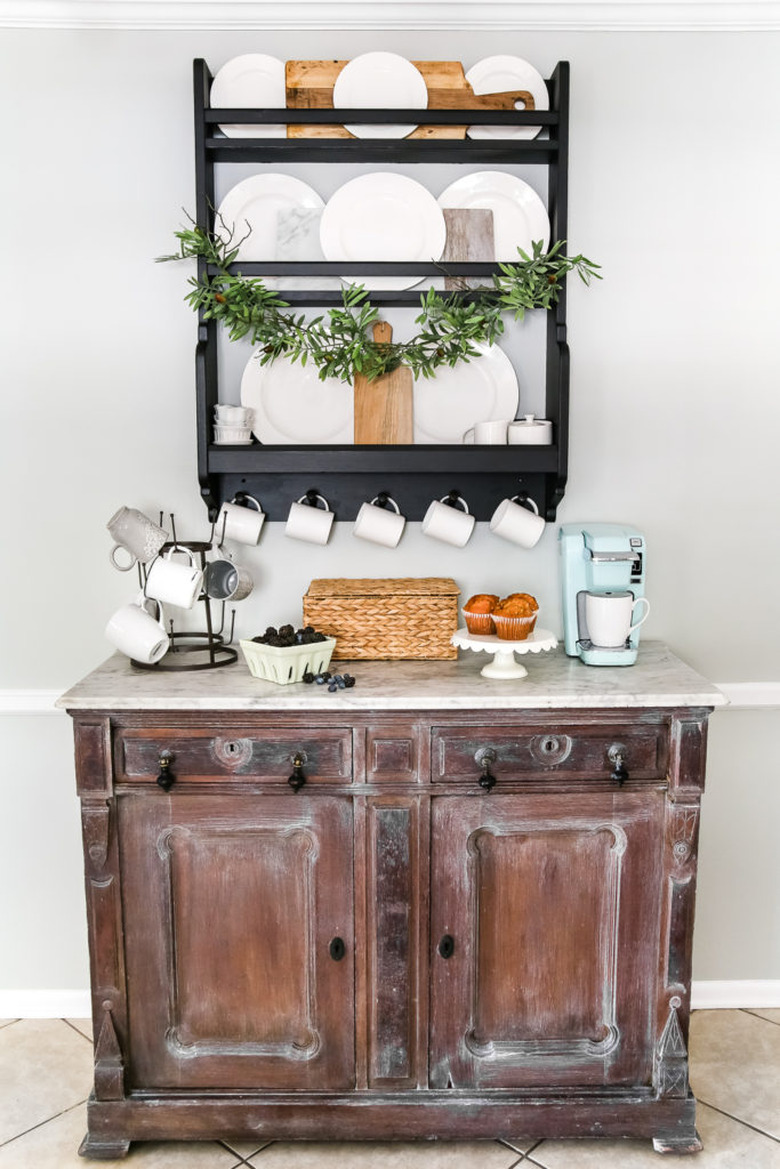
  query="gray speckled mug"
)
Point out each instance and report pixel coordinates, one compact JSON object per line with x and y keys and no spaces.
{"x":137,"y":535}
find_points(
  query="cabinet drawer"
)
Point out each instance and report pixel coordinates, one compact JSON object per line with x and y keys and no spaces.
{"x":202,"y":755}
{"x":528,"y":753}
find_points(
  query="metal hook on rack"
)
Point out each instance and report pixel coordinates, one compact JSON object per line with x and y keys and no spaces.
{"x":219,"y":632}
{"x":223,"y":516}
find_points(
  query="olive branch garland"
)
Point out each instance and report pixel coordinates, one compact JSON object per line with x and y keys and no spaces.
{"x":338,"y":342}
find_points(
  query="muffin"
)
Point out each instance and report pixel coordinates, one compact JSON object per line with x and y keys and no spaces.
{"x":515,"y":616}
{"x":478,"y":610}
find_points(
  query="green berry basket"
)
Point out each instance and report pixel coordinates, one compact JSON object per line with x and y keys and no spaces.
{"x":284,"y":664}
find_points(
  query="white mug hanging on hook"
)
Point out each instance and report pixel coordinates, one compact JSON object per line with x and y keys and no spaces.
{"x":134,"y":631}
{"x":308,"y":521}
{"x":380,"y":521}
{"x":518,"y":520}
{"x":241,"y":520}
{"x":448,"y":519}
{"x":171,"y":581}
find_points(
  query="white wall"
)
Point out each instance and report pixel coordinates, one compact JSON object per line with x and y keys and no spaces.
{"x":675,"y":172}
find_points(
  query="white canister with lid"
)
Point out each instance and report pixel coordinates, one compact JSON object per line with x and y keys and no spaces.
{"x":529,"y":431}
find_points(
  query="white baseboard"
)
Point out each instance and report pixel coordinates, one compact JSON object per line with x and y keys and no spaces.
{"x":45,"y":1004}
{"x":75,"y":1004}
{"x":754,"y":992}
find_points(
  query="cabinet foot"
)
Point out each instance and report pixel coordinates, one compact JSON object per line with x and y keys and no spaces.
{"x":679,"y":1145}
{"x":96,"y":1148}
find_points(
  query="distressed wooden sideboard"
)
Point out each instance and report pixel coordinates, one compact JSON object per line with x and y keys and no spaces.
{"x":473,"y":918}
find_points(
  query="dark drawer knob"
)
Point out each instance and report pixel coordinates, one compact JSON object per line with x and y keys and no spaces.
{"x":484,"y":757}
{"x":447,"y":946}
{"x":617,"y":757}
{"x":297,"y":779}
{"x":337,"y":949}
{"x":166,"y":779}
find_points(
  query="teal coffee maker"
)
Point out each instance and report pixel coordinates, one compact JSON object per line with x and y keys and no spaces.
{"x":599,"y":558}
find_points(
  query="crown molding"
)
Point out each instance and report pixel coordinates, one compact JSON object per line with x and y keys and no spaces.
{"x":528,"y":15}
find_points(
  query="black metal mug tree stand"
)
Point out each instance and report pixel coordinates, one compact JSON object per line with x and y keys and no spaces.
{"x":212,"y":642}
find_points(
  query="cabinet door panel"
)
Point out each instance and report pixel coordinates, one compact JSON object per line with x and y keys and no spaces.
{"x":230,"y":907}
{"x":553,"y":907}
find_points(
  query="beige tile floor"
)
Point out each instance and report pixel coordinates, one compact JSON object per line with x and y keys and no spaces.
{"x":45,"y":1068}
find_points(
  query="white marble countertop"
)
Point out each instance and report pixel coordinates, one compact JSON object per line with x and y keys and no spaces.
{"x":554,"y":681}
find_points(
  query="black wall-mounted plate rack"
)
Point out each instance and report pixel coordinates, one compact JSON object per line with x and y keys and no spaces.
{"x":416,"y":474}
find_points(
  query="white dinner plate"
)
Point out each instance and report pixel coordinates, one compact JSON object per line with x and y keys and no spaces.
{"x":519,"y":215}
{"x":501,"y":75}
{"x":380,"y":81}
{"x":293,"y":406}
{"x":383,"y":216}
{"x":252,"y":81}
{"x":448,"y":404}
{"x":284,"y":216}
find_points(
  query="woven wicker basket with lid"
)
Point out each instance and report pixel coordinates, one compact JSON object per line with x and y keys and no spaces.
{"x":408,"y":617}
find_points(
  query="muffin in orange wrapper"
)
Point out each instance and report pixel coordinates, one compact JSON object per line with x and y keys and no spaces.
{"x":478,"y":613}
{"x":515,"y":616}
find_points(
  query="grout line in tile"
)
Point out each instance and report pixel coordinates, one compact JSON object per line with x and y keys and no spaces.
{"x":761,"y":1132}
{"x":247,"y":1159}
{"x":249,"y":1156}
{"x":8,"y":1023}
{"x":81,"y":1033}
{"x":763,"y":1018}
{"x":508,"y":1145}
{"x":41,"y":1123}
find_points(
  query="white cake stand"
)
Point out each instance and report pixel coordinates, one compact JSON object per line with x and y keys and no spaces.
{"x":504,"y":664}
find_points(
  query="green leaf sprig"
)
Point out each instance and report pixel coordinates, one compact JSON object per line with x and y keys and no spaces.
{"x":339,"y":342}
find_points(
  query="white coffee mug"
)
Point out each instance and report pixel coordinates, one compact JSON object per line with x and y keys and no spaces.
{"x":489,"y":433}
{"x":444,"y":520}
{"x":307,"y":521}
{"x":238,"y":522}
{"x":529,"y":431}
{"x":225,"y":581}
{"x":513,"y":521}
{"x":608,"y":616}
{"x":135,"y":632}
{"x":171,"y":581}
{"x":375,"y":523}
{"x":136,"y":534}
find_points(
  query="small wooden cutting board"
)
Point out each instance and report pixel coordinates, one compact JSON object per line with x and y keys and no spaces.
{"x":383,"y":407}
{"x":469,"y":238}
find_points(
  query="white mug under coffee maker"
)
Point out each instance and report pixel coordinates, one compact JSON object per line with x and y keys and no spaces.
{"x":609,"y":617}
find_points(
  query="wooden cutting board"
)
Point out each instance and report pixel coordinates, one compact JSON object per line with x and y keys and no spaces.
{"x":383,"y":407}
{"x":469,"y":238}
{"x":309,"y":86}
